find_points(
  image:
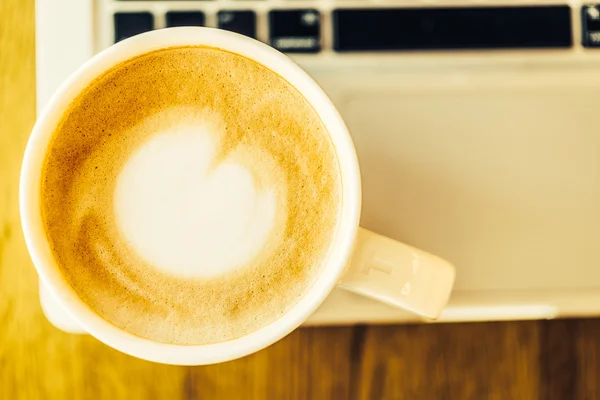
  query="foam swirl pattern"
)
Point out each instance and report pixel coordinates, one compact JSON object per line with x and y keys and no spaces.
{"x":190,"y":195}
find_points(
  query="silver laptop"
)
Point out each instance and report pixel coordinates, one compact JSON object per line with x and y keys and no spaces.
{"x":476,"y":125}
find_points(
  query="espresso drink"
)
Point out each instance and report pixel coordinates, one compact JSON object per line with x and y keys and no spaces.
{"x":190,"y":195}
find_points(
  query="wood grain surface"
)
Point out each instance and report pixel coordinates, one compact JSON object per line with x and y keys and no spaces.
{"x":509,"y":360}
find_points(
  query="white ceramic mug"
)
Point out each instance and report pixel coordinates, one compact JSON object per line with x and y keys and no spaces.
{"x":359,"y":260}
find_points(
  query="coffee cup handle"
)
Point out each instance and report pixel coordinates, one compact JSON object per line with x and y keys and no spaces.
{"x":397,"y":274}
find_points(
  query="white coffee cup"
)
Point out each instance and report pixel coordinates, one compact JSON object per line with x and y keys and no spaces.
{"x":359,"y":260}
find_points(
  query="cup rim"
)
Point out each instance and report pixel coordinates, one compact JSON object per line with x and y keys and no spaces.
{"x":47,"y":267}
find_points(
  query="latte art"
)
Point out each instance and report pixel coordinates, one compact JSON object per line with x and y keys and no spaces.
{"x":219,"y":219}
{"x":190,"y":196}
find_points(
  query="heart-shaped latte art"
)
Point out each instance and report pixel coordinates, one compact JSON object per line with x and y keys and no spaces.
{"x":188,"y":214}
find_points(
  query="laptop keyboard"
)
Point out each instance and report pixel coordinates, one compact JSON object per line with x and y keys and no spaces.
{"x":299,"y":30}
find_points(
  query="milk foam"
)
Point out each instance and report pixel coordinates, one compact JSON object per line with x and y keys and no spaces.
{"x":190,"y":196}
{"x":186,"y":215}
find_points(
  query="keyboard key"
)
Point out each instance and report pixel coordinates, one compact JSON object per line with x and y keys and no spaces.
{"x":295,"y":31}
{"x":590,"y":21}
{"x":379,"y":29}
{"x":130,"y":24}
{"x":243,"y":22}
{"x":184,"y":18}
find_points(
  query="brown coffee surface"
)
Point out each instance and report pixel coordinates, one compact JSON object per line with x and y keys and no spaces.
{"x":253,"y":112}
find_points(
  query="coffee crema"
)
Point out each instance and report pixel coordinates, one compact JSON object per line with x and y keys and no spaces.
{"x":190,"y":195}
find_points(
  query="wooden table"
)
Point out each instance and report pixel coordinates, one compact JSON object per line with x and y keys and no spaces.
{"x":510,"y":360}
